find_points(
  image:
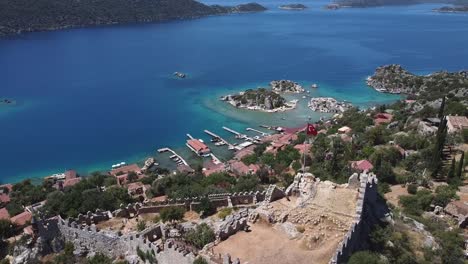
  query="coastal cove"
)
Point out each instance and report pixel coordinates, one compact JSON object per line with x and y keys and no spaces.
{"x":88,"y":98}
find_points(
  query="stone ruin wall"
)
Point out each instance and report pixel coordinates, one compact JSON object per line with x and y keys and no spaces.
{"x":114,"y":244}
{"x":82,"y":231}
{"x":355,"y":239}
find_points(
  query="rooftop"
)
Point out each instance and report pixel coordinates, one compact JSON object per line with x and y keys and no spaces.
{"x":22,"y":219}
{"x":198,"y":146}
{"x":126,"y":169}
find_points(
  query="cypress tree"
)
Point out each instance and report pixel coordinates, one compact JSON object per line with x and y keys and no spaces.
{"x":439,"y":147}
{"x":461,"y":166}
{"x":451,"y":172}
{"x":442,"y":108}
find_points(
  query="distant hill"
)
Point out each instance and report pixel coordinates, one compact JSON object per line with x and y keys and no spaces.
{"x":371,"y":3}
{"x":17,"y":16}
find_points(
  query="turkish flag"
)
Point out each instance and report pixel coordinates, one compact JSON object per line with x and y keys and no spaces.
{"x":311,"y":130}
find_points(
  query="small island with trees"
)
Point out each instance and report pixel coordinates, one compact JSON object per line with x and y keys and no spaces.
{"x":293,"y":7}
{"x":395,"y":79}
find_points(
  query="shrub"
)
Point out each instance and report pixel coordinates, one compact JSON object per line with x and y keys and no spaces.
{"x":224,"y":212}
{"x":99,"y":259}
{"x":300,"y":229}
{"x":157,"y":219}
{"x":200,"y":236}
{"x":412,"y":188}
{"x":200,"y":260}
{"x":205,"y":208}
{"x":172,"y":213}
{"x":141,"y":225}
{"x":367,"y":257}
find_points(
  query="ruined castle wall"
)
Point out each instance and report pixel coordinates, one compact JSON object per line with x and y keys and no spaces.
{"x":158,"y":208}
{"x":359,"y":232}
{"x":113,"y":244}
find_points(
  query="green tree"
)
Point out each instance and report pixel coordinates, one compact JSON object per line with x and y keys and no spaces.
{"x":451,"y":172}
{"x":205,"y":208}
{"x":442,"y":108}
{"x":461,"y":165}
{"x":438,"y":148}
{"x":141,"y":225}
{"x":7,"y":229}
{"x":99,"y":259}
{"x":366,"y":257}
{"x":200,"y":236}
{"x":172,"y":213}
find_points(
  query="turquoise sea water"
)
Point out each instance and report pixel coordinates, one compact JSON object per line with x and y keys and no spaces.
{"x":88,"y":98}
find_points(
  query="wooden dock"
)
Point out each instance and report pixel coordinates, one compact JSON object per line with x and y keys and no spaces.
{"x":161,"y":150}
{"x":263,"y":134}
{"x":218,"y":137}
{"x":239,"y":135}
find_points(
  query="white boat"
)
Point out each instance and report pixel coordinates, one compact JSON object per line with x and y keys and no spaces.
{"x":314,"y":86}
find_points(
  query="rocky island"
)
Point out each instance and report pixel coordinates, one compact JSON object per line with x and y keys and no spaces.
{"x":293,"y":7}
{"x":6,"y":102}
{"x":286,"y":86}
{"x":42,"y":15}
{"x":259,"y":99}
{"x":328,"y":105}
{"x":395,"y":79}
{"x":452,"y":9}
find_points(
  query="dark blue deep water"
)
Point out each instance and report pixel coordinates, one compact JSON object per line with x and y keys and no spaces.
{"x":88,"y":98}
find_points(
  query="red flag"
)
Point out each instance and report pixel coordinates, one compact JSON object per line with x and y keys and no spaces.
{"x":311,"y":130}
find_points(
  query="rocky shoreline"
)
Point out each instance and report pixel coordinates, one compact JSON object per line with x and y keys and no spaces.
{"x":396,"y":80}
{"x":328,"y":105}
{"x":452,"y":9}
{"x":22,"y":16}
{"x":259,"y":100}
{"x":286,"y":86}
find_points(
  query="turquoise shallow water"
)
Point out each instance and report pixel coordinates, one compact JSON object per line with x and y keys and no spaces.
{"x":89,"y":98}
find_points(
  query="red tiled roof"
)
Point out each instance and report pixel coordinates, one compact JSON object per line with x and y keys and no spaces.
{"x":134,"y":186}
{"x":70,"y":174}
{"x":293,"y":130}
{"x":4,"y":213}
{"x":71,"y":182}
{"x":362,"y":165}
{"x":302,"y":147}
{"x":4,"y":198}
{"x":22,"y":218}
{"x":244,"y":152}
{"x":126,"y":169}
{"x":8,"y":186}
{"x":382,"y":118}
{"x":240,"y":168}
{"x":198,"y":146}
{"x":458,"y":122}
{"x":159,"y":199}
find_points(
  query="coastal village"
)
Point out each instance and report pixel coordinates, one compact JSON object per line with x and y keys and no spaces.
{"x":332,"y":192}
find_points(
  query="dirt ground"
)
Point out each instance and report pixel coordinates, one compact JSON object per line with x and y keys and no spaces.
{"x":126,"y":225}
{"x":322,"y":221}
{"x":266,"y":245}
{"x":397,"y":191}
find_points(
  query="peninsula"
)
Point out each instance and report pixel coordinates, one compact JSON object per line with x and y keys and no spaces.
{"x":293,"y":7}
{"x":259,"y":99}
{"x":328,"y":105}
{"x":395,"y":79}
{"x":42,"y":15}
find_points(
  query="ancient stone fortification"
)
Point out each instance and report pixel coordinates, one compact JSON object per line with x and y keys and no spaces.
{"x":88,"y":239}
{"x":157,"y":239}
{"x":368,"y":212}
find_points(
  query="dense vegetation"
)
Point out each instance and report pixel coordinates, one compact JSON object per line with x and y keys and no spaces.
{"x":18,"y":16}
{"x":88,"y":195}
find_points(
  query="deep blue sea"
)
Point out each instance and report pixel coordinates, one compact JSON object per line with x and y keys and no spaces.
{"x":88,"y":98}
